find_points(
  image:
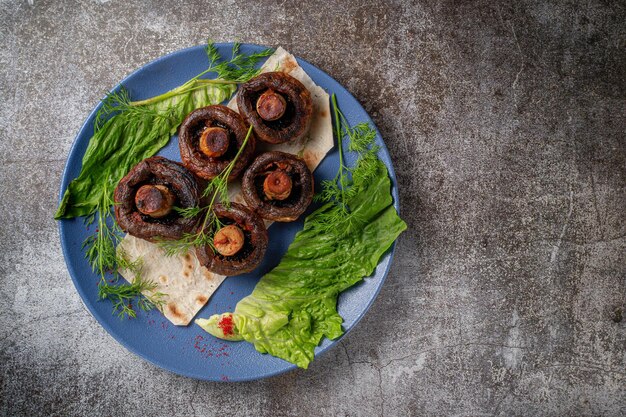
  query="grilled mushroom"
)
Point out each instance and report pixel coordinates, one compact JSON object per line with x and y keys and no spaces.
{"x":146,"y":196}
{"x":277,"y":105}
{"x":210,"y":137}
{"x":239,"y":245}
{"x":278,"y":186}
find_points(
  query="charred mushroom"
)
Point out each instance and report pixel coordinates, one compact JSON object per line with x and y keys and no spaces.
{"x":146,"y":196}
{"x":277,"y":105}
{"x":278,"y":186}
{"x":209,"y":139}
{"x":239,"y":246}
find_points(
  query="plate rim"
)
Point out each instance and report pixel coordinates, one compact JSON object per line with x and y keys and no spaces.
{"x":65,"y":180}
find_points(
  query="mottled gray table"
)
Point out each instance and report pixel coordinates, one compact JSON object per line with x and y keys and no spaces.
{"x":507,"y":129}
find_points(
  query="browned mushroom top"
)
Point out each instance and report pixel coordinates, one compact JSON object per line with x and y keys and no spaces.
{"x":278,"y":186}
{"x":209,"y":139}
{"x":239,"y":245}
{"x":146,"y":196}
{"x":277,"y":105}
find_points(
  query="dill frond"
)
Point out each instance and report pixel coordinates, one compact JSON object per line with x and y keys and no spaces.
{"x":240,"y":68}
{"x":124,"y":262}
{"x":188,"y":212}
{"x":361,"y":137}
{"x":123,"y":295}
{"x":100,"y":246}
{"x":349,"y":180}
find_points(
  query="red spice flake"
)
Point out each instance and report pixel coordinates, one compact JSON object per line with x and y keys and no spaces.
{"x":227,"y":325}
{"x":198,"y":340}
{"x":224,"y":378}
{"x":232,"y":292}
{"x":208,"y":350}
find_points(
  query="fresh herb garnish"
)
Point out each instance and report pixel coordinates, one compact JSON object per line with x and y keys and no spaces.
{"x":123,"y":296}
{"x":240,"y":68}
{"x":188,"y":212}
{"x":101,"y":245}
{"x":217,"y":188}
{"x":126,"y":132}
{"x":348,"y":181}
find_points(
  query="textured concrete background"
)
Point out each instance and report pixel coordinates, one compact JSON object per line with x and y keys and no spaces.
{"x":507,"y":129}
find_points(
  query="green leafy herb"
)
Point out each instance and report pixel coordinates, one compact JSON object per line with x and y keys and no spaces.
{"x":100,"y":247}
{"x":123,"y":296}
{"x":188,"y":212}
{"x":348,"y":180}
{"x":294,"y":306}
{"x":124,"y":262}
{"x":240,"y":68}
{"x":217,"y":188}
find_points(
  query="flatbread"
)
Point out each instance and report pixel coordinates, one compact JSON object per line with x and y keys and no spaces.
{"x":186,"y":284}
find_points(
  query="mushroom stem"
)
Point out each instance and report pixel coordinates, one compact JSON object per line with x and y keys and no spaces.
{"x":214,"y":142}
{"x":228,"y":240}
{"x":154,"y":200}
{"x":277,"y":185}
{"x":271,"y":106}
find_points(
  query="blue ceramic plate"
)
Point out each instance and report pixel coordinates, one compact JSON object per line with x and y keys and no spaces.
{"x":189,"y":350}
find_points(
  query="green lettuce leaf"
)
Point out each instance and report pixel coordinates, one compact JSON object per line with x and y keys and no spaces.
{"x":130,"y":137}
{"x":295,"y":305}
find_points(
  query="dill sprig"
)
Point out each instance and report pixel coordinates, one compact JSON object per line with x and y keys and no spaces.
{"x":217,"y":189}
{"x":123,"y":262}
{"x":123,"y":296}
{"x":240,"y":68}
{"x":101,"y":245}
{"x":106,"y":260}
{"x":348,"y":181}
{"x":188,"y":212}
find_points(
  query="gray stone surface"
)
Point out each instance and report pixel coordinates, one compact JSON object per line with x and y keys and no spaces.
{"x":507,"y":129}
